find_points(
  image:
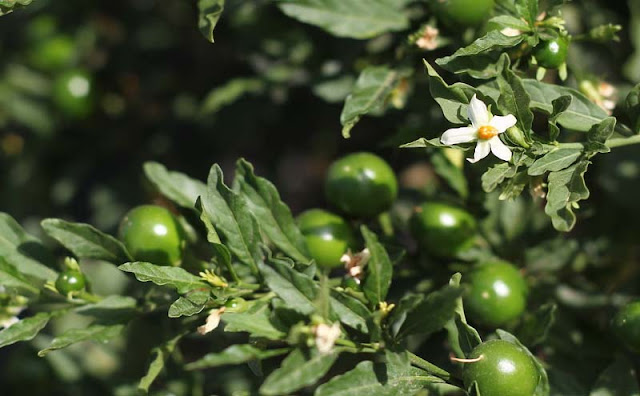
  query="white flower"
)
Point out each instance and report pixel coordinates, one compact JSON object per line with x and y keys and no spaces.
{"x":484,"y":129}
{"x":326,"y":336}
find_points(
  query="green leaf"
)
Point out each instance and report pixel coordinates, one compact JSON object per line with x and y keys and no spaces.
{"x":111,"y":308}
{"x":222,"y":253}
{"x":85,"y":241}
{"x":350,"y":311}
{"x":8,"y":6}
{"x":178,"y":187}
{"x":229,"y":213}
{"x":543,"y":381}
{"x":234,"y":354}
{"x":453,"y":99}
{"x":432,"y":313}
{"x":299,"y":369}
{"x":497,"y":174}
{"x":296,"y":289}
{"x":25,"y":329}
{"x":373,"y":87}
{"x":560,"y":105}
{"x":379,"y":269}
{"x":209,"y":12}
{"x":255,"y":320}
{"x":465,"y":337}
{"x":273,"y":215}
{"x":581,"y":114}
{"x":175,"y":277}
{"x":348,"y":18}
{"x":598,"y":135}
{"x":424,"y":143}
{"x":13,"y":280}
{"x":514,"y":99}
{"x":451,"y":173}
{"x":535,"y":326}
{"x":191,"y":304}
{"x":95,"y":332}
{"x":23,"y":251}
{"x":565,"y":189}
{"x":528,"y":9}
{"x":395,"y":377}
{"x":230,"y":92}
{"x":161,"y":353}
{"x":508,"y":21}
{"x":616,"y":380}
{"x":555,"y":160}
{"x":336,"y":89}
{"x":467,"y":58}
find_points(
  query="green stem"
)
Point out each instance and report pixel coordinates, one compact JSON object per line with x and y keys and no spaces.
{"x":86,"y":296}
{"x":429,"y":367}
{"x":611,"y":143}
{"x":323,"y":295}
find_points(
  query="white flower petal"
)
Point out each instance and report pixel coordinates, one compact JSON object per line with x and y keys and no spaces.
{"x":499,"y":149}
{"x":478,"y":113}
{"x":458,"y":135}
{"x":482,"y":150}
{"x":502,"y":123}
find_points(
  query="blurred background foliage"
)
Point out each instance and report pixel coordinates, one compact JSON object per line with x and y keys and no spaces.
{"x":269,"y":89}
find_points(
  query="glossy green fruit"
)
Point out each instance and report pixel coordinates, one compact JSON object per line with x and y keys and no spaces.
{"x":70,"y":281}
{"x":151,"y":233}
{"x":73,"y":93}
{"x":237,"y":304}
{"x":463,"y":13}
{"x":361,"y":184}
{"x":53,"y":53}
{"x":497,"y":294}
{"x":328,"y":236}
{"x":505,"y":369}
{"x":626,"y":325}
{"x":551,"y":54}
{"x":442,"y":229}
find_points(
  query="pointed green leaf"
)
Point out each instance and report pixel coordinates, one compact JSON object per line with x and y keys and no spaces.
{"x":175,"y":277}
{"x":178,"y":187}
{"x":432,"y":313}
{"x":535,"y":326}
{"x":255,"y":320}
{"x":350,"y":311}
{"x":296,"y":289}
{"x":565,"y":189}
{"x":273,"y":215}
{"x":25,"y":329}
{"x":581,"y":114}
{"x":373,"y":87}
{"x":209,"y":14}
{"x":94,"y":332}
{"x":229,"y":213}
{"x":235,"y":354}
{"x":394,"y":378}
{"x":555,"y":160}
{"x":23,"y":251}
{"x":514,"y":99}
{"x":191,"y":304}
{"x":299,"y":369}
{"x":379,"y":269}
{"x":348,"y":18}
{"x":85,"y":241}
{"x":161,"y":353}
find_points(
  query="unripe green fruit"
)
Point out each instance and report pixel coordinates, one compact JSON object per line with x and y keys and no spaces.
{"x":328,"y":236}
{"x":502,"y":369}
{"x":151,"y":233}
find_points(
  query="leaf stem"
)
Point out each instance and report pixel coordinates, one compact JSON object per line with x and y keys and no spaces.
{"x":611,"y":143}
{"x":429,"y":367}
